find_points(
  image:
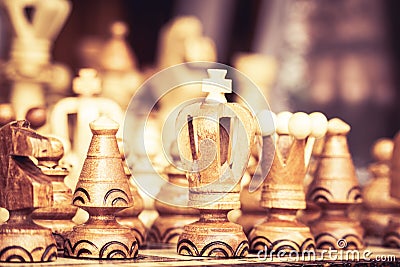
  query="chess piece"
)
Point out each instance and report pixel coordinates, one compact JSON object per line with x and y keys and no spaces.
{"x":102,"y":191}
{"x":334,"y":189}
{"x":283,"y":192}
{"x":214,"y":139}
{"x":21,"y":240}
{"x":86,"y":107}
{"x":59,"y":216}
{"x":29,"y":68}
{"x":391,"y":237}
{"x":118,"y":67}
{"x":129,"y":217}
{"x":171,"y":205}
{"x":378,"y":204}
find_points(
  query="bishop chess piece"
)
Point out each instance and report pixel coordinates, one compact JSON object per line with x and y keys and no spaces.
{"x":171,"y":204}
{"x":35,"y":25}
{"x":21,"y":240}
{"x":283,"y":193}
{"x":335,"y":188}
{"x":129,"y":217}
{"x":214,"y":141}
{"x":102,"y":191}
{"x":59,"y":216}
{"x":378,"y":205}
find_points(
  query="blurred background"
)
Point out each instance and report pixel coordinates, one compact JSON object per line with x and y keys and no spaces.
{"x":339,"y":57}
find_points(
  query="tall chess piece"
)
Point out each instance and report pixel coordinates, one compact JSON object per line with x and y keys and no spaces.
{"x":30,"y":68}
{"x":283,"y":192}
{"x":214,"y":140}
{"x":24,"y":188}
{"x":334,"y":188}
{"x":391,"y":237}
{"x":102,"y":191}
{"x":378,"y":204}
{"x":59,"y":216}
{"x":171,"y":204}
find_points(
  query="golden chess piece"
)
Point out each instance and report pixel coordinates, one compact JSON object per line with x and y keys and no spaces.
{"x":21,"y":240}
{"x":102,"y":191}
{"x":335,"y":188}
{"x":283,"y":192}
{"x":214,"y":139}
{"x":171,"y":204}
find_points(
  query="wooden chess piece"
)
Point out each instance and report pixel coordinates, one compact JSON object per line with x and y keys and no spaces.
{"x":378,"y":205}
{"x":283,"y":192}
{"x":171,"y":204}
{"x":129,"y":217}
{"x":21,"y":240}
{"x":334,"y":189}
{"x":30,"y":68}
{"x":214,"y":140}
{"x":59,"y":216}
{"x":118,"y":67}
{"x":85,"y":108}
{"x":102,"y":191}
{"x":391,"y":237}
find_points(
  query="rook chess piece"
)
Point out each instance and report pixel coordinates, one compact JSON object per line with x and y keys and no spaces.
{"x":102,"y":191}
{"x":334,"y":189}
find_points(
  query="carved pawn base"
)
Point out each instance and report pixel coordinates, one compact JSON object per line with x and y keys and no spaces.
{"x":167,"y":229}
{"x":281,"y":232}
{"x":137,"y":227}
{"x":213,"y":236}
{"x":335,"y":230}
{"x":392,"y":233}
{"x":23,"y":241}
{"x":101,"y":237}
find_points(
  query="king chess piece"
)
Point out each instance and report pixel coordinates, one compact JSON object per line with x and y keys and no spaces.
{"x":335,"y":188}
{"x":283,"y":192}
{"x":171,"y":204}
{"x":378,"y":205}
{"x":214,"y":140}
{"x":102,"y":191}
{"x":21,"y":240}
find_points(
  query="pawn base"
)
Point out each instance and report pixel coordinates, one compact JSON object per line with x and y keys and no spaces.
{"x":137,"y":227}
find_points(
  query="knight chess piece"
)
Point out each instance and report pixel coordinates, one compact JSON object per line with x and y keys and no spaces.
{"x":334,"y":188}
{"x":59,"y":216}
{"x":21,"y":240}
{"x":214,"y":140}
{"x":283,"y":193}
{"x":102,"y":191}
{"x":171,"y":204}
{"x":378,"y":205}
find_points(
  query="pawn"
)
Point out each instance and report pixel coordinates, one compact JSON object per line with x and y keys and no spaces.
{"x":171,"y":205}
{"x":378,"y":204}
{"x":335,"y":188}
{"x":102,"y":191}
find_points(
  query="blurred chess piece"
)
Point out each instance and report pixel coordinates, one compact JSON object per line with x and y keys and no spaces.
{"x":214,"y":140}
{"x":84,"y":108}
{"x":378,"y":204}
{"x":21,"y":240}
{"x":118,"y":67}
{"x":102,"y":191}
{"x":283,"y":192}
{"x":59,"y":216}
{"x":30,"y":70}
{"x":171,"y":204}
{"x":129,"y":217}
{"x":335,"y":188}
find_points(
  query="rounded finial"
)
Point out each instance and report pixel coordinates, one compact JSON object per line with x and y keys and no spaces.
{"x":319,"y":124}
{"x":104,"y":125}
{"x":267,"y":122}
{"x":282,"y":122}
{"x":36,"y":116}
{"x":119,"y":29}
{"x":87,"y":83}
{"x":300,"y":125}
{"x":382,"y":149}
{"x":7,"y":114}
{"x":338,"y":127}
